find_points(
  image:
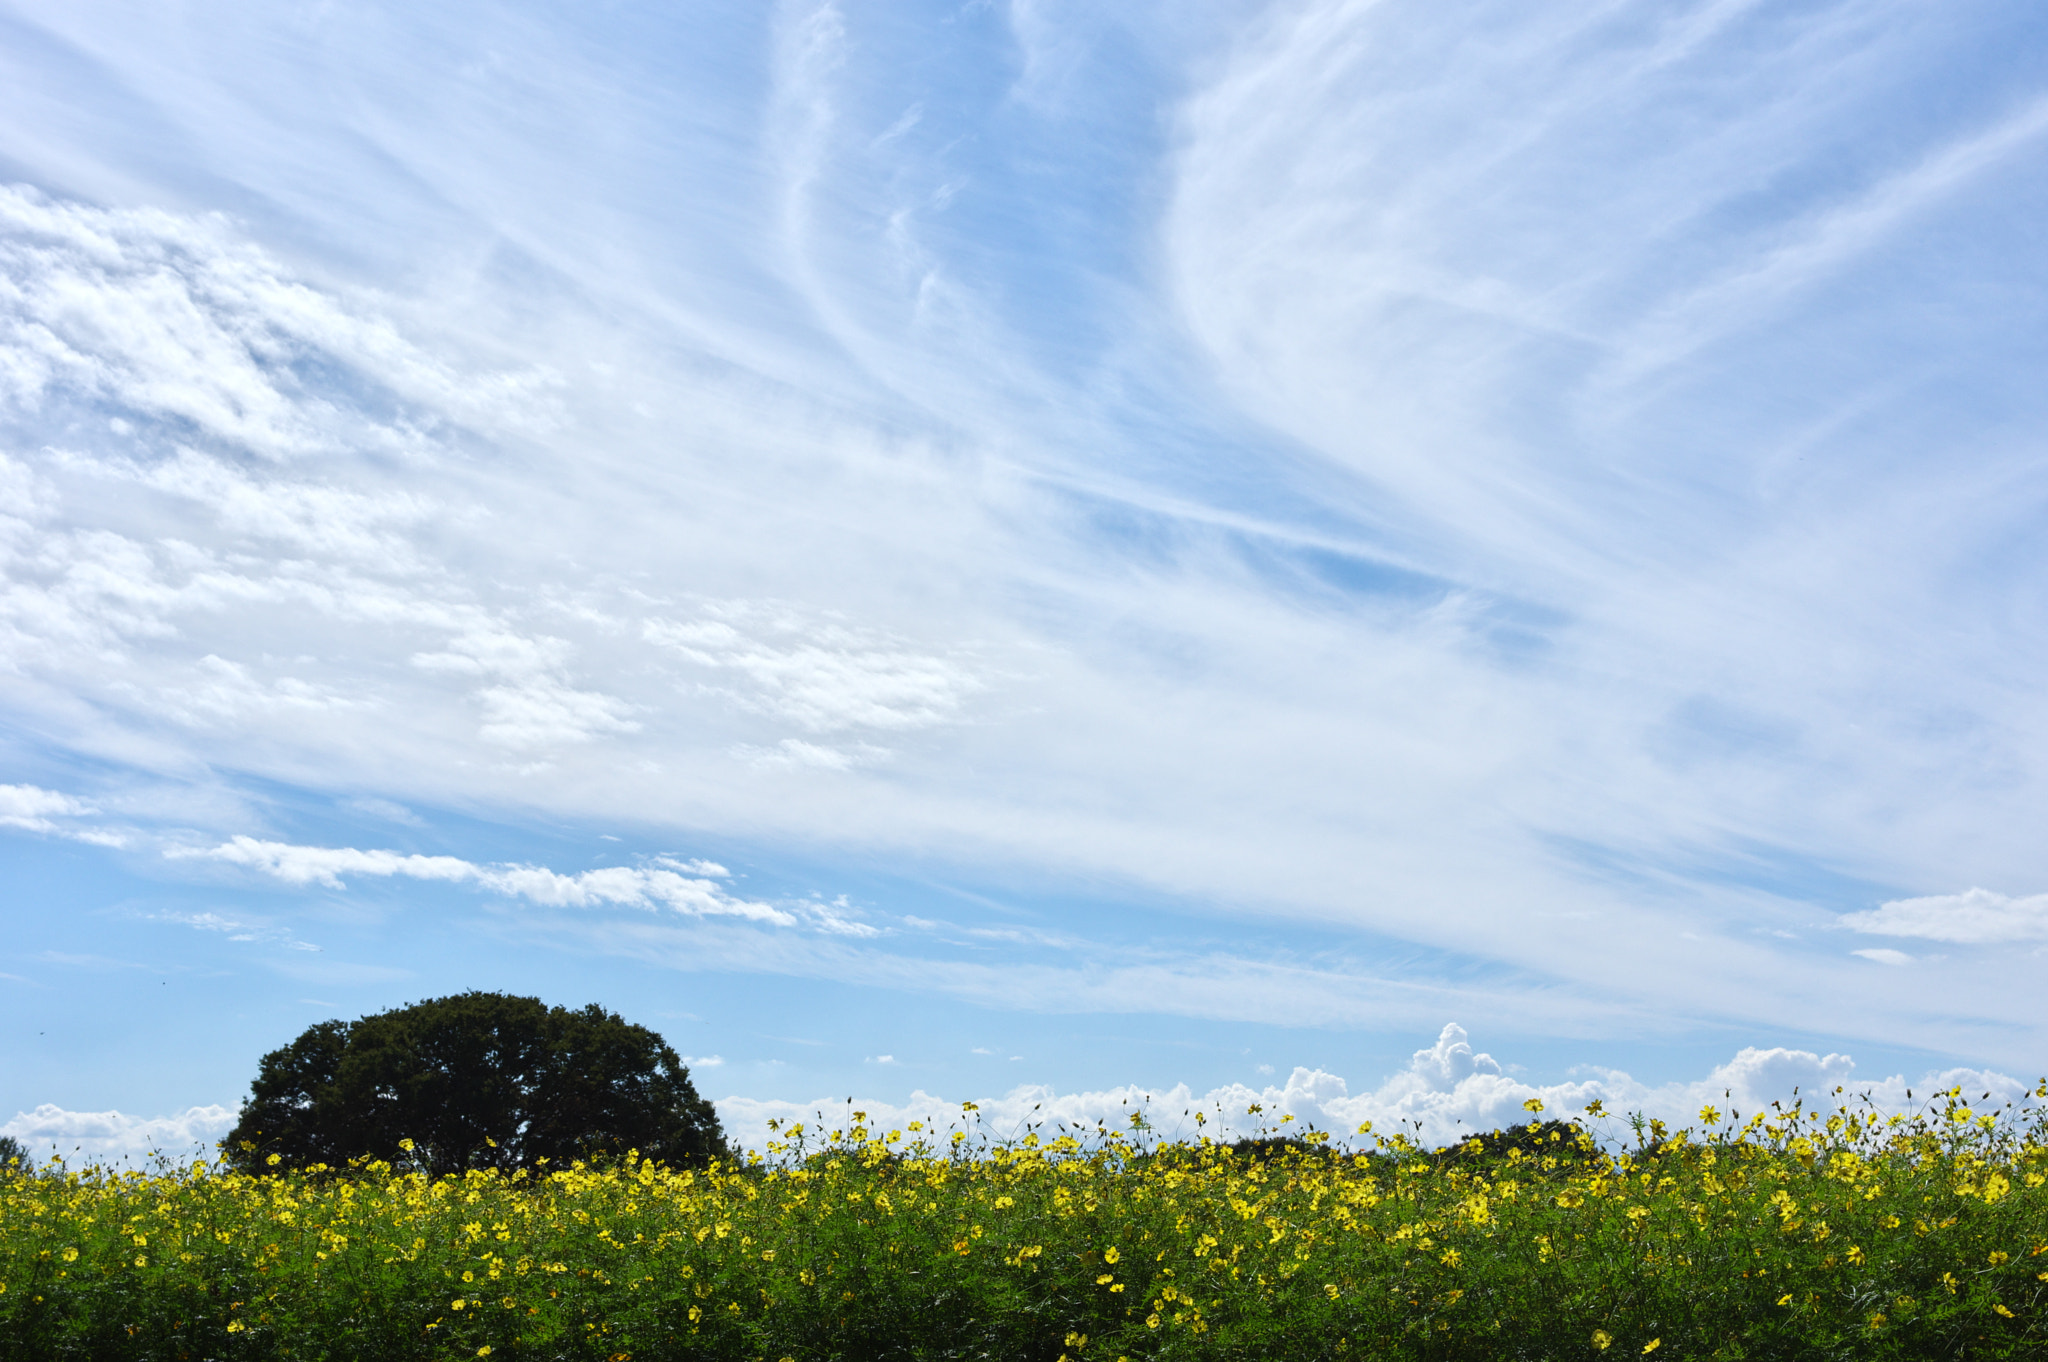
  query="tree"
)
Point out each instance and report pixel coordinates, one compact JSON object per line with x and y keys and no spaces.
{"x":13,"y":1157}
{"x":478,"y":1080}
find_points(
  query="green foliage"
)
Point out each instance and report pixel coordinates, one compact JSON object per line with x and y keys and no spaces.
{"x":478,"y":1080}
{"x":13,"y":1157}
{"x":1840,"y":1236}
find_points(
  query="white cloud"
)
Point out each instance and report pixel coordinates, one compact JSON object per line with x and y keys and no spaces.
{"x":702,"y":1061}
{"x":538,"y":714}
{"x":820,"y":673}
{"x":389,"y":810}
{"x":1446,"y":1092}
{"x":795,"y":752}
{"x":1975,"y":917}
{"x":236,"y":929}
{"x":1884,"y":956}
{"x":34,"y":809}
{"x":626,"y":886}
{"x":177,"y":318}
{"x":113,"y":1137}
{"x":28,"y":806}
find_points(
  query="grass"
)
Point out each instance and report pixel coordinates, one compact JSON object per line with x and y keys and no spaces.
{"x":1796,"y":1234}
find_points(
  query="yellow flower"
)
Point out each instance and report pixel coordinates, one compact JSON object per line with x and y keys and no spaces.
{"x":2000,"y":1259}
{"x":1602,"y":1339}
{"x":71,"y":1255}
{"x":1109,"y":1255}
{"x":236,"y":1326}
{"x":406,"y":1145}
{"x":1105,"y":1279}
{"x":1653,"y":1345}
{"x":1785,"y":1299}
{"x":2002,"y":1310}
{"x":484,"y":1351}
{"x":1533,"y":1104}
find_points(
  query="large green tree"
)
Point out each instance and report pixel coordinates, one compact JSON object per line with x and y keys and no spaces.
{"x":479,"y":1080}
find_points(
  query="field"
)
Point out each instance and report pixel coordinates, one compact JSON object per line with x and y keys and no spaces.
{"x":1791,"y":1234}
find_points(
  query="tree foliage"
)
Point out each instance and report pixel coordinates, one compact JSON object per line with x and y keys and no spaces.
{"x":13,"y":1157}
{"x":478,"y":1080}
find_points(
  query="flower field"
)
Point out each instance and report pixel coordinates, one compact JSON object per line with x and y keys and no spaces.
{"x":1791,"y":1234}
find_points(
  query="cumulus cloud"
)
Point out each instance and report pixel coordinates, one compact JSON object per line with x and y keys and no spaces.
{"x":662,"y":884}
{"x":1975,"y":917}
{"x":1445,"y":1093}
{"x":113,"y":1137}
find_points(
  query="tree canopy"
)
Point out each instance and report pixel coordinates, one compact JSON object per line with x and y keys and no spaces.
{"x":478,"y":1080}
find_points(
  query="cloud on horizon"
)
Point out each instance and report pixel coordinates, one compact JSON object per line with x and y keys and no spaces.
{"x":1447,"y":1091}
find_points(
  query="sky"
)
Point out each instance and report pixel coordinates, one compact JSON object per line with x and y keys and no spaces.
{"x":1368,"y":557}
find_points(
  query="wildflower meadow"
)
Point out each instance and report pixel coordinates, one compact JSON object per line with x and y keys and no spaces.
{"x":1792,"y":1233}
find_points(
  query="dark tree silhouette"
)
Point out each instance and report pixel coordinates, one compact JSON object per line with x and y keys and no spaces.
{"x":479,"y":1080}
{"x":1556,"y":1139}
{"x":13,"y":1157}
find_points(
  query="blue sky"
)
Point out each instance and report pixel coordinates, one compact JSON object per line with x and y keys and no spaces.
{"x":1003,"y":551}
